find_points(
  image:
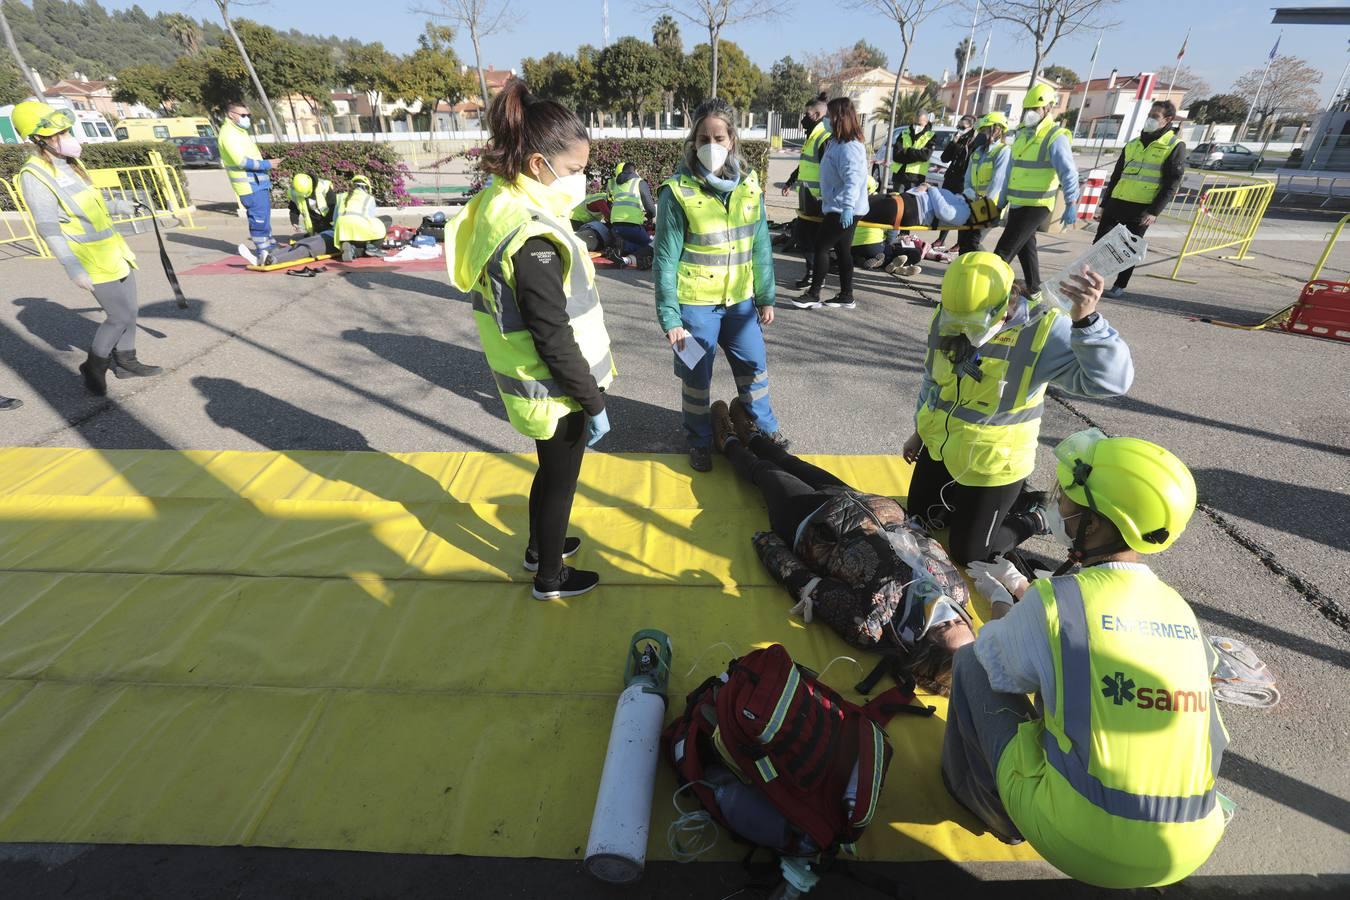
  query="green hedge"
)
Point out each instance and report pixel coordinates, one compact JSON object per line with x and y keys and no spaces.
{"x":655,"y":159}
{"x":97,"y":156}
{"x":338,"y":161}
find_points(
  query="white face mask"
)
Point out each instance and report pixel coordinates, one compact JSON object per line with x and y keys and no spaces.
{"x":245,"y":122}
{"x":68,"y":146}
{"x":713,"y":156}
{"x":1059,"y":529}
{"x":1153,"y":124}
{"x":1009,"y":138}
{"x":570,"y":187}
{"x":1032,"y":117}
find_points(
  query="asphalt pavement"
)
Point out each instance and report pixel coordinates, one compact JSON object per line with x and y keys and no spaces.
{"x":387,"y":360}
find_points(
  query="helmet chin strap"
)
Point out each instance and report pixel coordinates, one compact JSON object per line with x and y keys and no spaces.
{"x":1078,"y":551}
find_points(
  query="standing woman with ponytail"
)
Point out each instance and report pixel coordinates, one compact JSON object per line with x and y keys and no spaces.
{"x":715,"y":278}
{"x":512,"y":253}
{"x":74,"y":220}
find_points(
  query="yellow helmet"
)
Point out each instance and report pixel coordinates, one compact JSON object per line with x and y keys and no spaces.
{"x":361,"y":180}
{"x":303,"y":185}
{"x":1145,"y":490}
{"x":975,"y":294}
{"x":993,"y":118}
{"x":33,"y":117}
{"x":1040,"y":95}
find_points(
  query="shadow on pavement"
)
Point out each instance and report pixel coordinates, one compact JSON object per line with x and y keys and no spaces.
{"x":1313,"y":513}
{"x":1249,"y":628}
{"x":1290,"y":792}
{"x":205,"y":243}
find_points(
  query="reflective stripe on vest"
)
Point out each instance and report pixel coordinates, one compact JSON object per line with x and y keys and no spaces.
{"x":236,"y":146}
{"x":354,"y":218}
{"x":582,"y":211}
{"x":1032,"y":179}
{"x":813,"y":151}
{"x":625,"y":202}
{"x":102,"y":252}
{"x":982,"y":164}
{"x":1075,"y":685}
{"x":318,"y":200}
{"x":907,"y":142}
{"x":717,"y":263}
{"x":1142,"y":174}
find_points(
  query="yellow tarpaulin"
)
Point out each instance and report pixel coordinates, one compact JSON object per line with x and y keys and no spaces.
{"x":339,"y":650}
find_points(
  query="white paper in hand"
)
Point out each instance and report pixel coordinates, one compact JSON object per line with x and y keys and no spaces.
{"x":693,"y":352}
{"x":1115,"y":253}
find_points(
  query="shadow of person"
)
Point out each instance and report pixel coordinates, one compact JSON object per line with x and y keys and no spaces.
{"x":62,"y":327}
{"x":1308,"y":512}
{"x":202,"y":241}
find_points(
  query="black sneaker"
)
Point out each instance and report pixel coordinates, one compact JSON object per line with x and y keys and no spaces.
{"x":803,"y":282}
{"x":571,"y":583}
{"x":840,"y":302}
{"x":700,"y":459}
{"x":570,"y":547}
{"x":805,"y":301}
{"x":780,"y":439}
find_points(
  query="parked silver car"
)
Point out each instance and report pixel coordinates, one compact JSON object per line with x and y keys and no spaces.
{"x":1223,"y":156}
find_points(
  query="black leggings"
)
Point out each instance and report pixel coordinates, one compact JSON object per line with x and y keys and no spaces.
{"x":834,"y":236}
{"x":555,"y":484}
{"x":980,"y":525}
{"x":791,"y":487}
{"x":806,"y":231}
{"x":1019,"y":240}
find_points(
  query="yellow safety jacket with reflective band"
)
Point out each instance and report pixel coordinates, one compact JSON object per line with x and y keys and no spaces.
{"x":237,"y":145}
{"x":625,"y":202}
{"x":480,"y":245}
{"x":354,"y":218}
{"x":808,"y":170}
{"x":1142,"y":176}
{"x":865,"y":234}
{"x":985,"y":430}
{"x":320,"y":200}
{"x":717,"y":263}
{"x":86,"y":224}
{"x":1032,"y":179}
{"x":907,"y":141}
{"x":1115,"y":785}
{"x":582,"y":213}
{"x":982,"y":164}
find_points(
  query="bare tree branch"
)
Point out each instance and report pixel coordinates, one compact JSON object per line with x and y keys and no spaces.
{"x":480,"y":18}
{"x":715,"y":15}
{"x":1047,"y":21}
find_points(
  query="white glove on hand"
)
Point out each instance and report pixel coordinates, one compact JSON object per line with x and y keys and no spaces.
{"x":1004,"y":572}
{"x":806,"y":602}
{"x":990,"y":585}
{"x":82,"y":280}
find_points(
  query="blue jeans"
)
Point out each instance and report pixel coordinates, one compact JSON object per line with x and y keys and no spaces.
{"x":258,"y":206}
{"x":736,"y":330}
{"x":634,"y":237}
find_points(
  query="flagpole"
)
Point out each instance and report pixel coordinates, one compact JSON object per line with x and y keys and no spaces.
{"x":1092,"y":70}
{"x":1242,"y":135}
{"x":979,"y":85}
{"x":965,"y":63}
{"x":1177,"y":67}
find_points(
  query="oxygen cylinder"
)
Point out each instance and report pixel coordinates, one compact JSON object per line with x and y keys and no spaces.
{"x":617,"y":849}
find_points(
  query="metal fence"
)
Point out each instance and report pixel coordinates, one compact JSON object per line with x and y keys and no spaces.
{"x":18,"y":227}
{"x":1225,"y":217}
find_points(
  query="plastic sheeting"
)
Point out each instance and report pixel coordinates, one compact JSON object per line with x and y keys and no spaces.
{"x":339,"y":650}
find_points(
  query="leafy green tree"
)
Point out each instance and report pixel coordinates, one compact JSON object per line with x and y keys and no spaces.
{"x":865,"y":54}
{"x":13,"y":87}
{"x":1221,"y":109}
{"x":634,"y":77}
{"x":556,"y":76}
{"x":370,"y":69}
{"x":738,"y":79}
{"x":261,"y":91}
{"x":1061,"y":75}
{"x":432,"y":72}
{"x":790,"y":86}
{"x":143,"y":84}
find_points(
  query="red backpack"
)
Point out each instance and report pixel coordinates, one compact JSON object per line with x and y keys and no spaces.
{"x":783,"y":732}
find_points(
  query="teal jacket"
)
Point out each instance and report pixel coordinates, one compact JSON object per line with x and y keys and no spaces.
{"x":670,"y":230}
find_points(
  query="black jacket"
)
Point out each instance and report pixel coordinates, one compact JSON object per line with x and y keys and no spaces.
{"x":543,"y":306}
{"x":913,"y":154}
{"x":322,"y":222}
{"x":957,"y":157}
{"x":1174,"y":167}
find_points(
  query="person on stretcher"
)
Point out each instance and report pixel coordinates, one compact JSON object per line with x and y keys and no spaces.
{"x":925,"y":206}
{"x":851,"y":559}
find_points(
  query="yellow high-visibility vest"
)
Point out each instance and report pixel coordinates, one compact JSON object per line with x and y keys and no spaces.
{"x":982,"y":164}
{"x":717,"y":263}
{"x":319,"y":198}
{"x":808,"y":170}
{"x":907,"y":142}
{"x":236,"y":146}
{"x":88,"y":228}
{"x":625,"y":202}
{"x":1142,"y":175}
{"x":1032,"y":179}
{"x":354,"y":218}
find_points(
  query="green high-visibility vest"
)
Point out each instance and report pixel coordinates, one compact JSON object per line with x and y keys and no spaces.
{"x":236,"y":146}
{"x":88,"y":228}
{"x":907,"y":142}
{"x":982,"y":164}
{"x":1032,"y":179}
{"x":985,"y":431}
{"x":1115,"y":785}
{"x":717,"y":263}
{"x":625,"y":201}
{"x":480,"y":245}
{"x":1142,"y":175}
{"x":319,"y":201}
{"x":354,"y":218}
{"x":581,"y":213}
{"x":808,"y":170}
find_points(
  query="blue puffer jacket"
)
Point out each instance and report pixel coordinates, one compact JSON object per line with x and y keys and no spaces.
{"x":843,"y":177}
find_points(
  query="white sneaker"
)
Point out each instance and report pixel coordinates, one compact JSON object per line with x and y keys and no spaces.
{"x":247,"y":254}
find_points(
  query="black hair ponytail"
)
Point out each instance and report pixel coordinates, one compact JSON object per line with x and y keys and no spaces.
{"x":522,"y":125}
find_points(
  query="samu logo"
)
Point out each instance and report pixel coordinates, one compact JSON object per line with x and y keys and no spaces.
{"x":1120,"y":689}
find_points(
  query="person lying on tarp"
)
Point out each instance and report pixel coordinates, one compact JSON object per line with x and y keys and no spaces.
{"x":850,"y":558}
{"x":925,"y":206}
{"x":300,"y":250}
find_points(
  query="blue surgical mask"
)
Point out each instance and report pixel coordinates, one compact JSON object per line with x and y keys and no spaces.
{"x":245,"y":122}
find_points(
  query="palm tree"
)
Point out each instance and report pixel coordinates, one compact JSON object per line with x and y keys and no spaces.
{"x":185,"y":32}
{"x":911,"y":103}
{"x":666,"y":35}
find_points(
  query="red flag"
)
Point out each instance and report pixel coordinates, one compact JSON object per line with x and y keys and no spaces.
{"x":1182,"y":51}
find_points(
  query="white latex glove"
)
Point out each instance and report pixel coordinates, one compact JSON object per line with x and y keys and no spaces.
{"x":1005,"y":573}
{"x":987,"y":585}
{"x":82,"y":280}
{"x":806,"y":601}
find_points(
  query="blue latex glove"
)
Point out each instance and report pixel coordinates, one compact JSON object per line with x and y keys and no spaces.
{"x":1070,"y":217}
{"x":597,"y":427}
{"x":846,"y":217}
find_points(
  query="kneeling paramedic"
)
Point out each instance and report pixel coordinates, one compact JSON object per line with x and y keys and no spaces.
{"x":631,"y":206}
{"x":991,"y":354}
{"x":357,"y":231}
{"x":1110,"y":776}
{"x":312,"y":204}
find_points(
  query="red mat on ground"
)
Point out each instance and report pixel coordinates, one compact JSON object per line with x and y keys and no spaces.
{"x":232,"y":265}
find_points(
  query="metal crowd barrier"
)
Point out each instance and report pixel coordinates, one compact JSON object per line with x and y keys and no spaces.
{"x":18,"y":225}
{"x":1225,"y":217}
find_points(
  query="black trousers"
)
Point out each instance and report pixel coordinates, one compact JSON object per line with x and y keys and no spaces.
{"x":834,"y":236}
{"x":791,"y":487}
{"x":555,"y":484}
{"x":1019,"y":240}
{"x":969,"y":241}
{"x":806,"y":232}
{"x":1122,"y":212}
{"x":980,"y":525}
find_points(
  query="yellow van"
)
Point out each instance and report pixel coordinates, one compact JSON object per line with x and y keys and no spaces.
{"x":163,"y":129}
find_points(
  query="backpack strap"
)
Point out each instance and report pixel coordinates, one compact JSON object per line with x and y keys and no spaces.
{"x":895,"y":701}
